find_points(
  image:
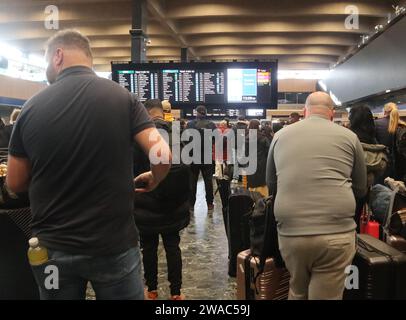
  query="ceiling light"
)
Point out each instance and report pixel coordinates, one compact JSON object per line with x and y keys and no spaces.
{"x":378,"y":28}
{"x":36,"y":61}
{"x":10,"y":52}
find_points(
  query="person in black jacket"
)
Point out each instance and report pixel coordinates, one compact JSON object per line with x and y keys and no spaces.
{"x":240,"y":133}
{"x":257,"y":181}
{"x":362,"y":124}
{"x":164,"y":211}
{"x":4,"y":135}
{"x":386,"y":129}
{"x":201,"y":123}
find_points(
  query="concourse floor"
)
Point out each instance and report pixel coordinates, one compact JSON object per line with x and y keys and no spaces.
{"x":204,"y":255}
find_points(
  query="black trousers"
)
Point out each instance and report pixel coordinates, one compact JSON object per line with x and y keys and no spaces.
{"x":149,"y":244}
{"x":207,"y":173}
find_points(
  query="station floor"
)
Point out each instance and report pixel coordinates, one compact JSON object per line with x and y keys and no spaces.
{"x":204,"y":255}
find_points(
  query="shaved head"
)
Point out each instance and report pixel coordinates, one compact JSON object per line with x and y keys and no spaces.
{"x":320,"y":103}
{"x":319,"y":99}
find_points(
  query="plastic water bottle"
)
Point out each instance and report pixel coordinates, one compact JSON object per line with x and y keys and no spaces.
{"x":37,"y":255}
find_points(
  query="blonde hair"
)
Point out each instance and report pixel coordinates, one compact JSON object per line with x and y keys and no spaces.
{"x":391,"y":109}
{"x":166,"y":105}
{"x":223,"y":123}
{"x":14,"y":115}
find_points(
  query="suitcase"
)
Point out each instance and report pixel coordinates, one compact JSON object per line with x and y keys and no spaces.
{"x":397,"y":242}
{"x":16,"y":278}
{"x":381,"y":270}
{"x":240,"y":204}
{"x":272,"y":284}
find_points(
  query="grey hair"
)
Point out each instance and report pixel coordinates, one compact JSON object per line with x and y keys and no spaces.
{"x":69,"y":38}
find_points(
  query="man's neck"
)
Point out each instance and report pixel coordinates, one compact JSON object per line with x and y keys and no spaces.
{"x":76,"y":65}
{"x":319,"y":115}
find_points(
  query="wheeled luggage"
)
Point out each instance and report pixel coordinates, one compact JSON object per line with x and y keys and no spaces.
{"x":16,"y":278}
{"x":397,"y":242}
{"x":272,"y":284}
{"x":240,"y":204}
{"x":381,"y":271}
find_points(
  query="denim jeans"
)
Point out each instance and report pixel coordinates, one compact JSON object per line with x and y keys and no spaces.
{"x":113,"y":277}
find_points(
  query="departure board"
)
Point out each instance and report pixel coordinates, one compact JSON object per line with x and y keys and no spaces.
{"x":234,"y":84}
{"x":143,"y":83}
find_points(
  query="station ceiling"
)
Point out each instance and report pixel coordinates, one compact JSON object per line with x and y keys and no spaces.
{"x":307,"y":34}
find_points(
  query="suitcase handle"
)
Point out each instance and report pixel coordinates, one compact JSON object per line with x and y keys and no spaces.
{"x":369,"y":248}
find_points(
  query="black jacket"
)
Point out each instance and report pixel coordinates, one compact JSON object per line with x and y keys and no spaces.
{"x":258,"y":178}
{"x":165,"y":209}
{"x":382,"y":134}
{"x":4,"y":135}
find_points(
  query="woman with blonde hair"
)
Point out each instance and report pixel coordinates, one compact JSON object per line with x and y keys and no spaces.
{"x":387,"y":130}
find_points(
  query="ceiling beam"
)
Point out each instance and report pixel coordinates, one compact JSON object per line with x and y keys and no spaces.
{"x":279,"y":25}
{"x":271,"y":50}
{"x":157,"y":10}
{"x":273,"y":39}
{"x":122,"y":41}
{"x":32,"y":30}
{"x":186,"y":9}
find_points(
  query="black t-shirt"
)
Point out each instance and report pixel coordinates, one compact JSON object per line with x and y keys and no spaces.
{"x":78,"y":136}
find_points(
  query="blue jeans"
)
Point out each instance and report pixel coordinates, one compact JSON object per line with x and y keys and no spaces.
{"x":114,"y":277}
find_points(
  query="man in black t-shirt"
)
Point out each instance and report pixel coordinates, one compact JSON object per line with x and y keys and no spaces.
{"x":71,"y":148}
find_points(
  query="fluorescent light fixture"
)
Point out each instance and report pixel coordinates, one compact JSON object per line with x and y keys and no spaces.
{"x":302,"y":74}
{"x":323,"y":85}
{"x":387,"y":91}
{"x":10,"y":52}
{"x":36,"y":61}
{"x":335,"y":99}
{"x":104,"y":74}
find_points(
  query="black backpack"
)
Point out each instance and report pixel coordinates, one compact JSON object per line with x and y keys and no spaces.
{"x":401,"y":141}
{"x":264,"y":234}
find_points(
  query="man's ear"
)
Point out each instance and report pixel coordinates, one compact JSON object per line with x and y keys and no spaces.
{"x":304,"y":112}
{"x":58,"y":57}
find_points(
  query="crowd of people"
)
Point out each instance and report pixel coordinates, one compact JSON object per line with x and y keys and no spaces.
{"x":81,"y":145}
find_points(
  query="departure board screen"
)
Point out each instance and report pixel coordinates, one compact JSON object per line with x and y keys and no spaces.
{"x":234,"y":84}
{"x":143,"y":83}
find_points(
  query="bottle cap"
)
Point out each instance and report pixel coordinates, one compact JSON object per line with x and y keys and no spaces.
{"x":33,"y":242}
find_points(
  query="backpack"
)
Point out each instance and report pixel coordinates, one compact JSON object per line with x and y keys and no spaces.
{"x":401,"y":140}
{"x":264,"y":233}
{"x":376,"y":161}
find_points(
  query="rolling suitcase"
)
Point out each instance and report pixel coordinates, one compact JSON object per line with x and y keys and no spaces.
{"x":240,"y":204}
{"x":397,"y":242}
{"x":381,"y":270}
{"x":272,"y":284}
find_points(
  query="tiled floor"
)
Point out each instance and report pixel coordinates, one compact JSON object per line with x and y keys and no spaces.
{"x":204,"y":254}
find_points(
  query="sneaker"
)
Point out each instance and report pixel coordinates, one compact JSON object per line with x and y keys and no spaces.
{"x":151,"y":295}
{"x":178,"y":297}
{"x":210,"y":207}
